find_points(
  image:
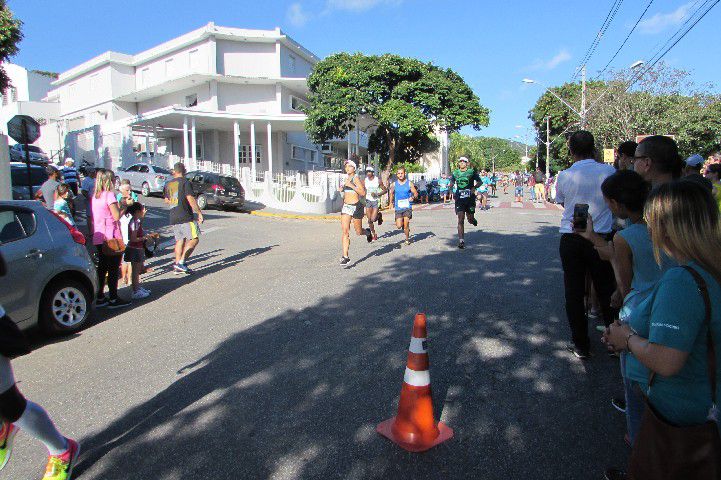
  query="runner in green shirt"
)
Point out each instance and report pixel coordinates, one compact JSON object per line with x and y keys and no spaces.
{"x":466,"y":181}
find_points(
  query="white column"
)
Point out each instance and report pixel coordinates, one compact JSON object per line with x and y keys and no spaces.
{"x":185,"y":140}
{"x":357,"y":141}
{"x":193,"y":144}
{"x":252,"y":151}
{"x":270,"y":150}
{"x":236,"y":148}
{"x":349,"y":145}
{"x":155,"y":136}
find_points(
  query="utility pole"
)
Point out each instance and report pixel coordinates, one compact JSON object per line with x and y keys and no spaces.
{"x":583,"y":97}
{"x":548,"y":147}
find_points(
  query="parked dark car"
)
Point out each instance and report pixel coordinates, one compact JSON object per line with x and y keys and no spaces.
{"x":19,"y":179}
{"x":215,"y":189}
{"x":51,"y":280}
{"x":37,"y":156}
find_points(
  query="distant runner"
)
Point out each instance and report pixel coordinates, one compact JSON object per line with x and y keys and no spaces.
{"x":401,"y":193}
{"x":466,"y":180}
{"x":353,"y":190}
{"x":444,"y":184}
{"x":374,"y":190}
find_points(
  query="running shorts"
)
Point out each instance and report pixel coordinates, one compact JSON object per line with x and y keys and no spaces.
{"x":354,"y":210}
{"x":407,"y":213}
{"x":466,"y":205}
{"x":186,"y":231}
{"x":371,"y":203}
{"x":519,"y":191}
{"x":134,"y":255}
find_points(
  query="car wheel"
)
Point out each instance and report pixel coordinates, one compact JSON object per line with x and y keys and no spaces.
{"x":64,"y":307}
{"x":202,"y":202}
{"x":145,"y":190}
{"x":117,"y":183}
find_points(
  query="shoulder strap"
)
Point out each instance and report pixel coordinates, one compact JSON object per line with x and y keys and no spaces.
{"x":710,"y":351}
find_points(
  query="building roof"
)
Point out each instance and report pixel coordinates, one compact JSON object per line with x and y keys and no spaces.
{"x":223,"y":33}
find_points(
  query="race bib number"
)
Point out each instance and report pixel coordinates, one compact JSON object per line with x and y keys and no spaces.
{"x":348,"y":209}
{"x":404,"y":204}
{"x":464,"y":193}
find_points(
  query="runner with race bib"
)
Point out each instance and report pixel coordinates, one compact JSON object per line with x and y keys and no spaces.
{"x":374,"y":190}
{"x":466,"y":180}
{"x":402,"y":191}
{"x":353,"y":190}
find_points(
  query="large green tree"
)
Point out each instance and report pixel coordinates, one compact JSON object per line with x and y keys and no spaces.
{"x":400,"y":100}
{"x":10,"y":36}
{"x":483,"y":152}
{"x":661,"y":101}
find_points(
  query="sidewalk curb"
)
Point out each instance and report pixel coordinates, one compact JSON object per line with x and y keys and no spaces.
{"x":322,"y":218}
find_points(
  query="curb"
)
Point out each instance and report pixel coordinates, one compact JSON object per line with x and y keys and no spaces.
{"x":323,"y":218}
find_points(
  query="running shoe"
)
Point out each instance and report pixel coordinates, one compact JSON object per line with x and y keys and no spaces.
{"x":145,"y":290}
{"x":344,"y":260}
{"x":582,"y":354}
{"x":375,"y":237}
{"x":183,"y":268}
{"x":139,"y":294}
{"x":118,"y":303}
{"x":473,"y":221}
{"x":380,"y":218}
{"x":369,"y":235}
{"x":408,"y":242}
{"x":619,"y":404}
{"x":101,"y":301}
{"x":7,"y":435}
{"x":461,"y":244}
{"x":60,"y":467}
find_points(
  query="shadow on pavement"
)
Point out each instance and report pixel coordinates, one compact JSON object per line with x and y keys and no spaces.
{"x":299,"y":395}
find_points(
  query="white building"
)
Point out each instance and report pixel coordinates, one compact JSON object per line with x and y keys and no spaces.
{"x":208,"y":98}
{"x":25,"y":96}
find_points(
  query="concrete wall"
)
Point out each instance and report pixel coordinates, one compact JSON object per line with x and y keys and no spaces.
{"x":38,"y":86}
{"x":247,"y":98}
{"x":18,"y":79}
{"x":285,"y":95}
{"x":5,"y":181}
{"x":190,"y":59}
{"x":87,"y":91}
{"x":293,"y":65}
{"x":177,"y":98}
{"x":245,"y":59}
{"x":122,"y":79}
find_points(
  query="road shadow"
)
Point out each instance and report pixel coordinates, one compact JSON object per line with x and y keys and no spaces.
{"x":298,"y":396}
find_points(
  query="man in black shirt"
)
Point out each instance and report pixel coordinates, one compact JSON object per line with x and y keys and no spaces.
{"x":179,"y":194}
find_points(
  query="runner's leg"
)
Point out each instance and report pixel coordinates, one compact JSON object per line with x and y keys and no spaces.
{"x":189,"y":247}
{"x":345,"y":227}
{"x":407,"y":228}
{"x":179,"y":249}
{"x":371,"y":214}
{"x":461,"y":225}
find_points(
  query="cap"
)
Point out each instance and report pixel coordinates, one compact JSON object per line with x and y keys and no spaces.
{"x":69,"y":160}
{"x":463,"y":159}
{"x":370,"y":168}
{"x":51,"y":169}
{"x":351,"y":163}
{"x":695,"y":160}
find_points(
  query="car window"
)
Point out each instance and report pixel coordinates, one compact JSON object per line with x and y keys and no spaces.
{"x":198,"y":179}
{"x":16,"y":224}
{"x":132,"y":168}
{"x":162,"y":170}
{"x":143,"y":169}
{"x":229,"y":182}
{"x":209,"y":180}
{"x":33,"y":148}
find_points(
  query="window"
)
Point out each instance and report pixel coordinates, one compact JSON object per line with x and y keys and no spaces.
{"x":303,"y":154}
{"x":145,"y":76}
{"x":13,"y":94}
{"x":191,"y":100}
{"x":244,"y":151}
{"x":297,"y":104}
{"x":193,"y":60}
{"x":133,"y":168}
{"x":16,"y":224}
{"x":169,"y":68}
{"x":291,"y":64}
{"x":143,"y":169}
{"x":93,"y":82}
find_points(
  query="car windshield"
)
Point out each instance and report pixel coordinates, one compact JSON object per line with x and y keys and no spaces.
{"x":161,"y":170}
{"x":19,"y":176}
{"x":34,"y":149}
{"x":229,"y":182}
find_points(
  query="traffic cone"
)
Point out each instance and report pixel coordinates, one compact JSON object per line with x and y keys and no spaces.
{"x":414,"y":428}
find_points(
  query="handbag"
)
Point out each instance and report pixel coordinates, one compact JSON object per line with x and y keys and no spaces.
{"x":12,"y":341}
{"x":113,"y":247}
{"x":663,"y":451}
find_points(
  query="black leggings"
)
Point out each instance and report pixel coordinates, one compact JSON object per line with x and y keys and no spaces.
{"x":108,"y":265}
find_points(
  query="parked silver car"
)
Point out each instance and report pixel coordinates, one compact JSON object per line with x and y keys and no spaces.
{"x":51,"y":280}
{"x":37,"y":156}
{"x":144,"y":178}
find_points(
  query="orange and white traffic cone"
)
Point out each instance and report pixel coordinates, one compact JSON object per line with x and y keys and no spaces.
{"x":414,"y":428}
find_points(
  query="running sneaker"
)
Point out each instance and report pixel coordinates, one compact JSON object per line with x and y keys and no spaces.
{"x":60,"y":467}
{"x":145,"y":290}
{"x":408,"y":242}
{"x":375,"y":237}
{"x":118,"y":303}
{"x":183,"y":268}
{"x":473,"y":221}
{"x":139,"y":294}
{"x":344,"y":260}
{"x":619,"y":404}
{"x":101,"y":301}
{"x":461,"y":244}
{"x":380,"y":218}
{"x":369,"y":235}
{"x":7,"y":435}
{"x":583,"y":355}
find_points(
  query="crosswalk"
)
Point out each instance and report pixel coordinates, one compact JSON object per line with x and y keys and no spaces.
{"x":494,"y":204}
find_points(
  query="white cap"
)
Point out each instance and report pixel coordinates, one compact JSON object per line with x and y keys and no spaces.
{"x":695,"y":160}
{"x":463,"y":159}
{"x":370,"y":168}
{"x":351,"y":163}
{"x":69,"y":160}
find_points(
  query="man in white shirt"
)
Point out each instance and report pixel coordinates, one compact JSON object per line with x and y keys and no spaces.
{"x":581,"y":184}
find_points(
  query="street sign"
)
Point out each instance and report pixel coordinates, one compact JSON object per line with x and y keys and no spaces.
{"x":23,"y":129}
{"x":609,"y":156}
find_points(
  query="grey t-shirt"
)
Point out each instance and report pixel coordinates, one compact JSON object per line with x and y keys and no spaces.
{"x":48,"y":188}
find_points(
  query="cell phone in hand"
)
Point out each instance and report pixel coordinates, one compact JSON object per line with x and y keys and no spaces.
{"x":580,"y":216}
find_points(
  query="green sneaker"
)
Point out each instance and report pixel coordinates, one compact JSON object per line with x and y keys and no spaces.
{"x":7,"y":435}
{"x":60,"y":467}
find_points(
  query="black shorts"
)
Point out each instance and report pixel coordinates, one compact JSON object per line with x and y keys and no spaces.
{"x":355,"y":210}
{"x":465,"y":205}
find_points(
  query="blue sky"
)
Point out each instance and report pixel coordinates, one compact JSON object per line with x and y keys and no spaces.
{"x":493,"y":45}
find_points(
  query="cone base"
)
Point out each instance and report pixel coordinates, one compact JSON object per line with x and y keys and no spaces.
{"x":384,"y":428}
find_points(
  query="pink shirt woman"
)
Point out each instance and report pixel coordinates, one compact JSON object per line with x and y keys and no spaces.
{"x":104,"y":224}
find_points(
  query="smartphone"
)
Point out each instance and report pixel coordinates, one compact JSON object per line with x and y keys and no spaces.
{"x":580,"y":216}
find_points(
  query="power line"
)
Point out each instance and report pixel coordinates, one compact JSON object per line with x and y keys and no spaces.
{"x":625,"y":40}
{"x":597,"y":40}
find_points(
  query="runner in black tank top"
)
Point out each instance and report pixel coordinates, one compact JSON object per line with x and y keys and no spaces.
{"x":353,"y":190}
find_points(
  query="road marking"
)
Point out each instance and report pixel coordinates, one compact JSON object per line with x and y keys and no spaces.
{"x":539,"y":205}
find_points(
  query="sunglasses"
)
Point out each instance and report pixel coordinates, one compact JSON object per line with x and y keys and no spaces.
{"x":640,"y":157}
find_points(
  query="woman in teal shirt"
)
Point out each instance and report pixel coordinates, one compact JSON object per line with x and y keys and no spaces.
{"x":666,"y":333}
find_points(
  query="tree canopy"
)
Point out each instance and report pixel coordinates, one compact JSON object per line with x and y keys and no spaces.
{"x":662,"y":101}
{"x":10,"y":36}
{"x":401,"y":100}
{"x":482,"y":151}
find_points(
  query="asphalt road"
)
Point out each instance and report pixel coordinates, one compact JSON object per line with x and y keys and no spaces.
{"x":274,"y":362}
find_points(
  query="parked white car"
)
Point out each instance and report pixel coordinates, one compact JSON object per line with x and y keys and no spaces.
{"x":144,"y":178}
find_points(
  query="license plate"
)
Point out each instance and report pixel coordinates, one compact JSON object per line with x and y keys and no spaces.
{"x":232,"y":194}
